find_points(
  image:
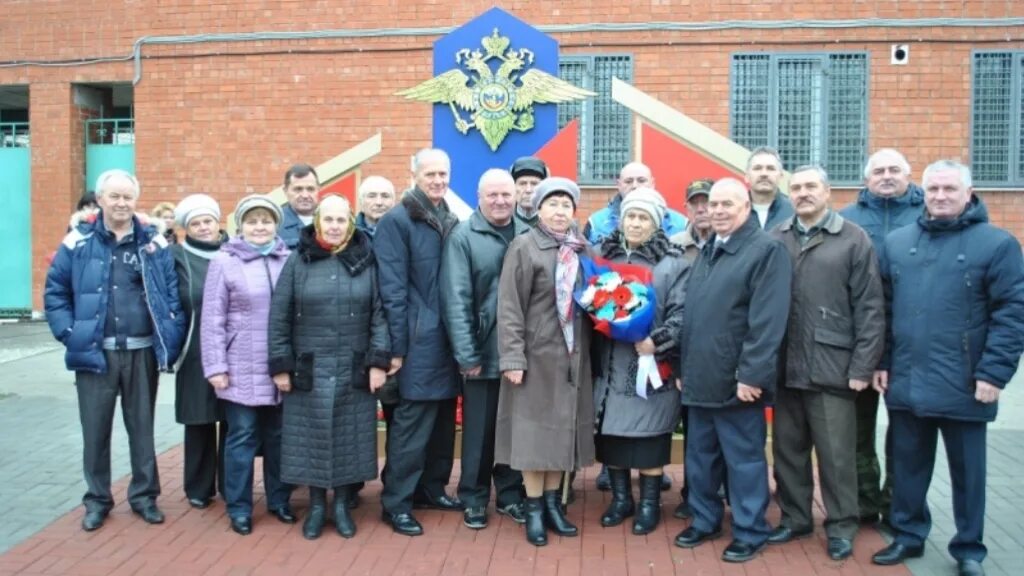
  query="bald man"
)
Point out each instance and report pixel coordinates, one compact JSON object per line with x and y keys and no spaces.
{"x":730,"y":347}
{"x":606,"y":220}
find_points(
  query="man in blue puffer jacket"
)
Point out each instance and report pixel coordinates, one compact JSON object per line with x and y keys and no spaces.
{"x":112,"y":300}
{"x":889,"y":200}
{"x":955,"y":295}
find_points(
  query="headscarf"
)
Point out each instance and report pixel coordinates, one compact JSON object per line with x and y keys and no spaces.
{"x":330,"y":201}
{"x":567,"y":267}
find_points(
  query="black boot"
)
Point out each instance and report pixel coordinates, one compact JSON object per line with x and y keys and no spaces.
{"x":343,"y":522}
{"x":536,"y":533}
{"x":314,"y":524}
{"x":648,"y":513}
{"x":622,"y":505}
{"x":554,"y":515}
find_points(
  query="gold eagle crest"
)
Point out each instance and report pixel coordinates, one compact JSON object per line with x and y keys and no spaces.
{"x":497,"y":101}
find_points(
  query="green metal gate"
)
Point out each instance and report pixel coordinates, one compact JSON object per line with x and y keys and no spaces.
{"x":16,"y":224}
{"x":109,"y":143}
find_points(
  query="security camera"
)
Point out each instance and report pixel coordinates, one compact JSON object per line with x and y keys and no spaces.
{"x":900,"y":54}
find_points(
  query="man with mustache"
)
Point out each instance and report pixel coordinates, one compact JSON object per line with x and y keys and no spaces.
{"x":889,"y":200}
{"x":769,"y":206}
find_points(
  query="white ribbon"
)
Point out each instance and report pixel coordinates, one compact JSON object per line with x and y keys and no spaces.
{"x":647,"y":368}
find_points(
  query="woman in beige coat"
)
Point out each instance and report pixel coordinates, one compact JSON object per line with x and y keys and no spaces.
{"x":545,"y":421}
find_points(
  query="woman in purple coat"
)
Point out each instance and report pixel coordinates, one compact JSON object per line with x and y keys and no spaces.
{"x":236,"y":314}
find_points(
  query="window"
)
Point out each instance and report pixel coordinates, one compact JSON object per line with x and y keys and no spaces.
{"x":997,"y":98}
{"x":811,"y":107}
{"x":605,"y":125}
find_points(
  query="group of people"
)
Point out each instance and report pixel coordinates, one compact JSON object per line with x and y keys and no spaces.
{"x":285,"y":337}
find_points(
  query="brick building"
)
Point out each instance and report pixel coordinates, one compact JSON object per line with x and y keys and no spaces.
{"x":222,"y":106}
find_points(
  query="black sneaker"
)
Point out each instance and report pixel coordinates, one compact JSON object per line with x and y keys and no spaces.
{"x":515,"y":511}
{"x":475,"y":517}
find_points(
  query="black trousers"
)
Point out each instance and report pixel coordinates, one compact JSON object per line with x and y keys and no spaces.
{"x":730,"y":439}
{"x":133,"y":375}
{"x":874,"y":493}
{"x":914,"y":460}
{"x":479,"y":417}
{"x":420,"y":452}
{"x":204,"y":459}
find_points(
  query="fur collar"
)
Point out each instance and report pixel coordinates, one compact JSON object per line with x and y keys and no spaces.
{"x":418,"y":212}
{"x":653,"y":250}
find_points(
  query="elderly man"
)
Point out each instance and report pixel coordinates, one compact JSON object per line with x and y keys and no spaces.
{"x":889,"y":200}
{"x":955,"y":293}
{"x":697,"y":232}
{"x":764,"y":172}
{"x":112,"y":300}
{"x":408,"y":245}
{"x":834,"y":340}
{"x":376,"y":196}
{"x":606,"y":220}
{"x":730,"y":346}
{"x":470,"y":269}
{"x":527,"y":172}
{"x":301,"y":186}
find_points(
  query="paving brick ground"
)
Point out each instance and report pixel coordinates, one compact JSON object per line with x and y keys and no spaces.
{"x":41,"y":484}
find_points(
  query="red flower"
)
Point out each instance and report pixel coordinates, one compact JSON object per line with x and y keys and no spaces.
{"x":620,"y":314}
{"x":603,"y":327}
{"x":593,"y":280}
{"x":622,"y":296}
{"x":600,"y":299}
{"x":664,"y":370}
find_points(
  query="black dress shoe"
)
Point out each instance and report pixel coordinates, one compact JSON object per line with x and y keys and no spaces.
{"x":475,"y":517}
{"x":896,"y":553}
{"x":783,"y":534}
{"x":403,"y":523}
{"x":970,"y":568}
{"x":241,"y":525}
{"x":741,"y":551}
{"x":692,"y":537}
{"x":515,"y":511}
{"x":284,"y":514}
{"x":199,"y":503}
{"x":150,"y":514}
{"x":93,"y":520}
{"x":442,"y":502}
{"x":683,"y":511}
{"x":840,"y":548}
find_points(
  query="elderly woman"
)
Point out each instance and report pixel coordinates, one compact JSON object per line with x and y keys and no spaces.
{"x":545,"y":424}
{"x":164,"y":212}
{"x":329,"y":352}
{"x":236,"y":315}
{"x":195,"y":403}
{"x":634,"y":431}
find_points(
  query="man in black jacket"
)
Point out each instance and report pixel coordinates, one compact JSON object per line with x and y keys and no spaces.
{"x":472,"y":262}
{"x":730,"y":347}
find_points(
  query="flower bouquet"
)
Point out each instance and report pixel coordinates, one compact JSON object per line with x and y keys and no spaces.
{"x":621,"y":302}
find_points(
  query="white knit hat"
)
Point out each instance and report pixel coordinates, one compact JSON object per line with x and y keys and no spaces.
{"x":646,"y":199}
{"x":194,"y":206}
{"x":254,"y":201}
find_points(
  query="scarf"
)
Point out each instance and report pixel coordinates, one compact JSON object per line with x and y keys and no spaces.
{"x":263,"y":249}
{"x":334,"y":248}
{"x":205,"y":250}
{"x":566,"y":268}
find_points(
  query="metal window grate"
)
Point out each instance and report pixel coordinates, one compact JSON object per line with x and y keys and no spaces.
{"x":992,"y":117}
{"x":605,"y":125}
{"x":119,"y":131}
{"x":15,"y":135}
{"x":811,"y":107}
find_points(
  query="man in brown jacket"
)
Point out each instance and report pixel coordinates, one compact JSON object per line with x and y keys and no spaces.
{"x":834,"y":340}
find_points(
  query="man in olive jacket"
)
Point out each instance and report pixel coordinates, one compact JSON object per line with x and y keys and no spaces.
{"x":833,"y":343}
{"x":730,"y":346}
{"x":470,"y":269}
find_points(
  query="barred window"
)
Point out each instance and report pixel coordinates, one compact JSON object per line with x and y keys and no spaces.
{"x":997,"y":97}
{"x":605,"y":125}
{"x":811,"y":107}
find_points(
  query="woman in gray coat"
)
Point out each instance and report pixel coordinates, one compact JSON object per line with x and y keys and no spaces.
{"x":634,"y":431}
{"x":545,"y":423}
{"x":329,"y":349}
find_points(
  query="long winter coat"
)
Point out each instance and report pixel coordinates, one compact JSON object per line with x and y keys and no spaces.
{"x":955,"y":294}
{"x":407,"y":244}
{"x":620,"y":411}
{"x":547,"y":421}
{"x":327,"y":324}
{"x":472,"y":263}
{"x":236,"y":313}
{"x":734,"y":326}
{"x":194,"y":401}
{"x":836,"y":330}
{"x":78,"y":288}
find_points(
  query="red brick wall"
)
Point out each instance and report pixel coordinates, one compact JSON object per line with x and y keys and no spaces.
{"x":231,"y":124}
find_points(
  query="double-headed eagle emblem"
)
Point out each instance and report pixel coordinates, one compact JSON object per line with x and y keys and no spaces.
{"x":498,"y":101}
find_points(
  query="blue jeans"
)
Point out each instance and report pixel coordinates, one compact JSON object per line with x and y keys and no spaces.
{"x":250,"y":427}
